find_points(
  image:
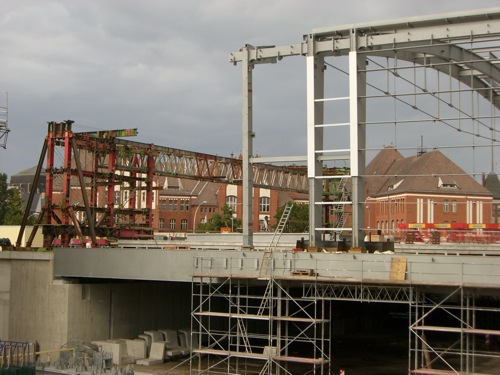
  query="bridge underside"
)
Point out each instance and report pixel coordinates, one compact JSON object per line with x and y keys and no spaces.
{"x":247,"y":314}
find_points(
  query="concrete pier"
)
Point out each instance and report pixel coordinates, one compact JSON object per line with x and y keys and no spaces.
{"x":36,"y":306}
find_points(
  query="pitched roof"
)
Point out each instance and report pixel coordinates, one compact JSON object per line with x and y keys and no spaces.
{"x":378,"y":169}
{"x":427,"y":173}
{"x":199,"y":191}
{"x":29,"y":172}
{"x":492,"y":183}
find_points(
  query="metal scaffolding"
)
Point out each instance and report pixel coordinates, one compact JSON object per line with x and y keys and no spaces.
{"x":251,"y":327}
{"x":4,"y":123}
{"x":254,"y":322}
{"x":451,"y":332}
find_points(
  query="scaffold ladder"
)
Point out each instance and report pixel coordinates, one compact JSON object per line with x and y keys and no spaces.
{"x":266,"y":259}
{"x":339,"y":207}
{"x":266,"y":298}
{"x":280,"y":227}
{"x":265,"y":369}
{"x":243,"y":335}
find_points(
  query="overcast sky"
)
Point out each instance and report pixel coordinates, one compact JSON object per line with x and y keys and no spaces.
{"x":162,"y":66}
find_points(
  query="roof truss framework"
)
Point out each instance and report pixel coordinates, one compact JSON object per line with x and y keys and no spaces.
{"x":464,"y":46}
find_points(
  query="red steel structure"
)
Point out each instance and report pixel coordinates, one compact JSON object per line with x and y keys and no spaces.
{"x":83,"y":197}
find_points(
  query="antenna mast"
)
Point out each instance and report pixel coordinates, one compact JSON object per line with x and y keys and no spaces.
{"x":4,"y":122}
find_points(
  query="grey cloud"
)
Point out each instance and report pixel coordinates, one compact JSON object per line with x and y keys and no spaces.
{"x":162,"y":66}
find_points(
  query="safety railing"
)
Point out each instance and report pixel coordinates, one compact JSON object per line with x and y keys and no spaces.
{"x":18,"y":355}
{"x":357,"y":267}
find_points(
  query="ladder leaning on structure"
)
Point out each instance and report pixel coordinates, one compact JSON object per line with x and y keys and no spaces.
{"x":339,"y":206}
{"x":276,"y":237}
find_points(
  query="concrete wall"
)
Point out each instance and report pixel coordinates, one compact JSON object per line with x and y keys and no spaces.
{"x":35,"y":307}
{"x":12,"y":232}
{"x":124,"y":310}
{"x":4,"y":299}
{"x":38,"y":305}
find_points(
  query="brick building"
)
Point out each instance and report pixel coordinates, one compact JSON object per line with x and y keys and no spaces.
{"x":492,"y":183}
{"x":266,"y":203}
{"x":24,"y":182}
{"x":426,"y":188}
{"x":183,"y":205}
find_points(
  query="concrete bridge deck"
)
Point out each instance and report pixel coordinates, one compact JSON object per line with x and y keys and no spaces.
{"x":478,"y":271}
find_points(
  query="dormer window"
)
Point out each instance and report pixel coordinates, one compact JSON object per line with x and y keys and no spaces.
{"x":172,"y":183}
{"x":448,"y":183}
{"x":396,"y":185}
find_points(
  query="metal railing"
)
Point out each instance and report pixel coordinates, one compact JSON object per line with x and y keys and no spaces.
{"x":357,"y":267}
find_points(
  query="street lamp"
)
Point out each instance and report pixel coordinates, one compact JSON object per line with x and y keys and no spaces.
{"x":369,"y":222}
{"x":195,"y":212}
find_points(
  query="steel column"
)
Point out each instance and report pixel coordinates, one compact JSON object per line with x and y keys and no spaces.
{"x":315,"y":115}
{"x":247,"y":107}
{"x":357,"y":108}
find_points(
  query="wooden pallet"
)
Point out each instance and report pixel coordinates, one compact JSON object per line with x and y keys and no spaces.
{"x":303,"y":273}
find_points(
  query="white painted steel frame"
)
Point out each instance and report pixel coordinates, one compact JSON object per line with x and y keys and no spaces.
{"x":436,"y":40}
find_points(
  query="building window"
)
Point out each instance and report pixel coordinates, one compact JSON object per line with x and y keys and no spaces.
{"x":264,"y":204}
{"x":184,"y":205}
{"x":117,"y":197}
{"x":231,"y":202}
{"x":445,"y":205}
{"x":453,"y":206}
{"x":143,"y":196}
{"x":162,"y":223}
{"x":172,"y":204}
{"x":181,"y":205}
{"x":262,"y":225}
{"x":163,"y":204}
{"x":184,"y":224}
{"x":172,"y":224}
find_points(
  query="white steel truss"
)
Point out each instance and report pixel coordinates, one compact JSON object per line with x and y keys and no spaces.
{"x":435,"y":67}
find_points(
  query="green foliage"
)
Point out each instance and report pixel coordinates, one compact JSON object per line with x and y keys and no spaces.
{"x":14,"y":208}
{"x":217,"y":221}
{"x":298,"y":222}
{"x":3,"y":197}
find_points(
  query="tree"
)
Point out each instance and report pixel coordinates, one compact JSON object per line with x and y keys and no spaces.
{"x":298,"y":222}
{"x":14,"y":213}
{"x":3,"y":197}
{"x":217,"y":221}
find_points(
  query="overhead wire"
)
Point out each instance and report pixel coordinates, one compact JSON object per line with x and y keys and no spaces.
{"x":431,"y":116}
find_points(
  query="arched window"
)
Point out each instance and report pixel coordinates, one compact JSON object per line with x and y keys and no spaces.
{"x":453,"y":206}
{"x":184,"y":224}
{"x":264,"y":204}
{"x":172,"y":223}
{"x":162,"y":223}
